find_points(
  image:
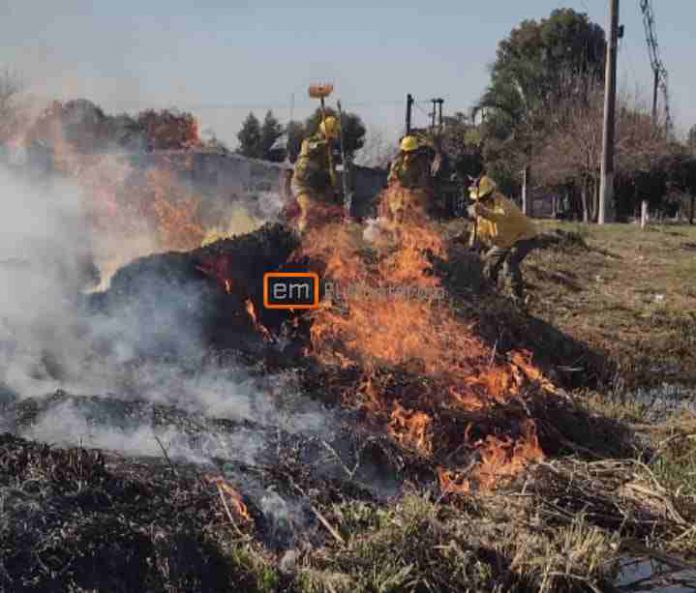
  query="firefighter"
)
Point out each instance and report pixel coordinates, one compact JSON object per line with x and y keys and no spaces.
{"x":411,"y":172}
{"x":508,"y":233}
{"x":314,"y":175}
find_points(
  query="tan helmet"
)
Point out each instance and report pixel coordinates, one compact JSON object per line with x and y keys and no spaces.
{"x":409,"y":144}
{"x":483,"y":187}
{"x":329,"y":127}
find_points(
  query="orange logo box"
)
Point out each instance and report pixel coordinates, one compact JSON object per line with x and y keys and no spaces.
{"x":291,"y":290}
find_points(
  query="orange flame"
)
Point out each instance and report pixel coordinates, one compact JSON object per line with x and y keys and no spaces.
{"x":231,"y":497}
{"x":452,"y":483}
{"x":506,"y":457}
{"x":175,"y":212}
{"x":398,"y":319}
{"x":251,"y":311}
{"x":410,"y":428}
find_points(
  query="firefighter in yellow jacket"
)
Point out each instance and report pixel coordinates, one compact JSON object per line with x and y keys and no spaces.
{"x":508,"y":233}
{"x":313,"y":180}
{"x":410,"y":180}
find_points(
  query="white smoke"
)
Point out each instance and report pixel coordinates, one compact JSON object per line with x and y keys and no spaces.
{"x":50,"y":341}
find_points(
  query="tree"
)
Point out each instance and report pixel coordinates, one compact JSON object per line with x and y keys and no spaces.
{"x":270,"y":131}
{"x":461,"y":142}
{"x":537,"y":66}
{"x":10,"y":87}
{"x":692,"y":138}
{"x":250,"y":137}
{"x":353,"y":129}
{"x":570,"y":154}
{"x":85,"y":128}
{"x":79,"y":124}
{"x":169,"y":130}
{"x":125,"y":132}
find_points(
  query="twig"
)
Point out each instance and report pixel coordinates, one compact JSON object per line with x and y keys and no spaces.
{"x":325,"y":523}
{"x":659,"y":556}
{"x":228,"y":512}
{"x":337,"y":536}
{"x":166,"y":456}
{"x":330,"y":449}
{"x":494,"y":351}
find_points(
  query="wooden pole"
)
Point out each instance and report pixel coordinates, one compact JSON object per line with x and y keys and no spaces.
{"x":606,"y":192}
{"x":409,"y":111}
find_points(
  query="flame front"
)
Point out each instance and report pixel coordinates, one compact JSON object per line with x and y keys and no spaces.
{"x":399,"y":320}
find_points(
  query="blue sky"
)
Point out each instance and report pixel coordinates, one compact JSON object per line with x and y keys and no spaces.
{"x":221,"y":59}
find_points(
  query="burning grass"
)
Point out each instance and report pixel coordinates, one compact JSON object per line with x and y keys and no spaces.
{"x":445,"y":371}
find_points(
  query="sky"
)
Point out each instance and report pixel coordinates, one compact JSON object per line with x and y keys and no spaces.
{"x":222,"y":59}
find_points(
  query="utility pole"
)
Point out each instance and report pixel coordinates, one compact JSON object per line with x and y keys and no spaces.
{"x":409,"y":111}
{"x":606,"y":187}
{"x":433,"y":114}
{"x":439,"y":113}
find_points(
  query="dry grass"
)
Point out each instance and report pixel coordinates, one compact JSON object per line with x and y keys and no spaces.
{"x":631,"y":294}
{"x":564,"y":528}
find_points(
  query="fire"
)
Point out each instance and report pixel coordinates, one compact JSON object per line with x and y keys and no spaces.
{"x":400,"y":320}
{"x":452,"y":483}
{"x":251,"y":311}
{"x":240,"y":222}
{"x":410,"y":428}
{"x":506,"y":457}
{"x":131,"y":212}
{"x":231,"y":498}
{"x":175,"y":212}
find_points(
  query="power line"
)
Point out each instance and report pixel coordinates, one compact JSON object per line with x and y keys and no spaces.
{"x":250,"y":106}
{"x":659,"y":70}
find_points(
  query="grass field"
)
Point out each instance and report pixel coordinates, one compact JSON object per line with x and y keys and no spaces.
{"x":631,"y":293}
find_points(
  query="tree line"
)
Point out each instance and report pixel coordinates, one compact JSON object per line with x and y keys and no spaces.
{"x":540,"y":121}
{"x":269,"y":140}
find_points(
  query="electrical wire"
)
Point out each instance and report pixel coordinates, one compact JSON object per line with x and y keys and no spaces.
{"x":655,"y":60}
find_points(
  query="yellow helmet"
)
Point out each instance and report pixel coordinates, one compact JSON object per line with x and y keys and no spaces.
{"x":329,"y":127}
{"x":409,"y":144}
{"x":482,"y":188}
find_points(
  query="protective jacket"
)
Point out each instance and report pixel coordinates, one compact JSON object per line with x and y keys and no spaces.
{"x":312,"y":169}
{"x":501,"y":223}
{"x":411,"y":170}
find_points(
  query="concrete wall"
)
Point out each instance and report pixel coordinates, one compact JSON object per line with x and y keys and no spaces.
{"x":229,"y":177}
{"x":223,"y":179}
{"x":367,"y":183}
